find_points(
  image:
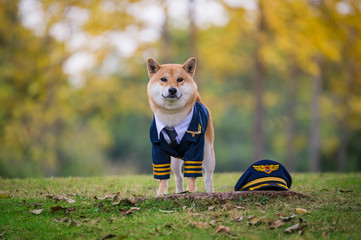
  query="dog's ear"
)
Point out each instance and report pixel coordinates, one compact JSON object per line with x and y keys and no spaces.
{"x":190,"y":66}
{"x":153,"y":66}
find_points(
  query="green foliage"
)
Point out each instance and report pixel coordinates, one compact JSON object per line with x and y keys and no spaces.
{"x":53,"y":124}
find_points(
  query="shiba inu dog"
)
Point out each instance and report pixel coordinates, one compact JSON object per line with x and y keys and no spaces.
{"x":182,"y":130}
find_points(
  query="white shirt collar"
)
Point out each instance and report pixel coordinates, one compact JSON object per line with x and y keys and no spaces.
{"x":180,"y":128}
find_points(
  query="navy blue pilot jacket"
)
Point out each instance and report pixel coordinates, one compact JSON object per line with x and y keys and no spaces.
{"x":190,"y":148}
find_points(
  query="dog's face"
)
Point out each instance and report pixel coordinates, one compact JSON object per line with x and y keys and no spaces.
{"x":171,"y":86}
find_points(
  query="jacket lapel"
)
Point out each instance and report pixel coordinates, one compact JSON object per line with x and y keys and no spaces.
{"x":153,"y":133}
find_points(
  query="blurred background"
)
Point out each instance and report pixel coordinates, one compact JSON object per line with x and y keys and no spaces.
{"x":282,"y":79}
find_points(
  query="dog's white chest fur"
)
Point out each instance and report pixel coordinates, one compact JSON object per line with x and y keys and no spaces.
{"x":172,"y":118}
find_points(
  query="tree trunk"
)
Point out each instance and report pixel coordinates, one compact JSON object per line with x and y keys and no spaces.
{"x":166,"y":48}
{"x":315,"y":117}
{"x":342,"y":150}
{"x":192,"y":29}
{"x":258,"y":88}
{"x":350,"y":81}
{"x":291,"y":109}
{"x":192,"y":38}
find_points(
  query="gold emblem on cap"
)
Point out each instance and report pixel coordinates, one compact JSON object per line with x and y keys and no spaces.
{"x":266,"y":168}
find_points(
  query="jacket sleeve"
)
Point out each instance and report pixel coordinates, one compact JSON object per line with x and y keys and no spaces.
{"x":161,"y":163}
{"x":193,"y":159}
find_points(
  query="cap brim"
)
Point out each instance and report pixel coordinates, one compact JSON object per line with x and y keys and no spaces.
{"x":268,"y":186}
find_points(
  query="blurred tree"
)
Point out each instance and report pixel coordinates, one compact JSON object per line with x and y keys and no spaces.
{"x":316,"y":116}
{"x":166,"y":52}
{"x":31,"y":92}
{"x":257,"y":66}
{"x":192,"y":29}
{"x":258,"y":84}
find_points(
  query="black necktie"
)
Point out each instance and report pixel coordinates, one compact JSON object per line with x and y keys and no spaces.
{"x":172,"y":135}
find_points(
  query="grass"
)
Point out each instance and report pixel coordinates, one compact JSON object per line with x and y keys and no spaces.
{"x":334,"y":210}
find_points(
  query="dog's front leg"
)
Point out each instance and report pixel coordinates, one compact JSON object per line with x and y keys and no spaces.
{"x":191,"y":184}
{"x":163,"y":186}
{"x":176,"y":166}
{"x":208,"y":166}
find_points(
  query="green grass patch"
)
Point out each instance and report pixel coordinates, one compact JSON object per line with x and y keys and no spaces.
{"x":334,"y":210}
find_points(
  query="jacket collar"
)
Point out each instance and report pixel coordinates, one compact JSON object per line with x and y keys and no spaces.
{"x":194,"y":127}
{"x":179,"y":128}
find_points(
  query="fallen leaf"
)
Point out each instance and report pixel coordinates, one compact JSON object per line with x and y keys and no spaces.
{"x":228,"y":205}
{"x":250,"y":217}
{"x":275,"y":224}
{"x":222,"y":229}
{"x":64,"y":219}
{"x":116,"y":200}
{"x":253,"y":221}
{"x":126,"y":212}
{"x":213,"y":223}
{"x":37,"y":204}
{"x":69,"y":200}
{"x":199,"y":224}
{"x":70,"y":209}
{"x":287,"y":218}
{"x":135,"y":208}
{"x":239,"y":218}
{"x":129,"y":201}
{"x":301,"y":211}
{"x":292,"y":228}
{"x":165,"y":211}
{"x":281,"y":214}
{"x":36,"y":211}
{"x":240,"y":207}
{"x":211,"y":208}
{"x":345,"y":191}
{"x":297,"y":227}
{"x":111,"y":195}
{"x":267,"y":220}
{"x":106,"y":196}
{"x":56,"y":197}
{"x":56,"y":208}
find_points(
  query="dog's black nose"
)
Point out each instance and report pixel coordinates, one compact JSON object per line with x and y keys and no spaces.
{"x":172,"y":91}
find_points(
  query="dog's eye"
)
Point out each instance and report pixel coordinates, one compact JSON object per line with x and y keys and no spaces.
{"x":163,"y":79}
{"x":180,"y":80}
